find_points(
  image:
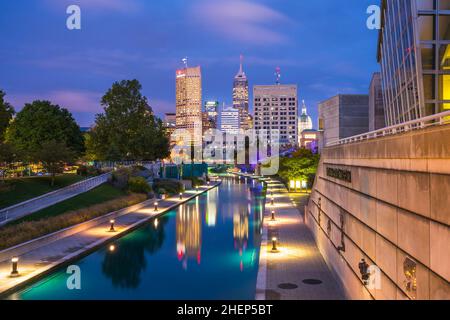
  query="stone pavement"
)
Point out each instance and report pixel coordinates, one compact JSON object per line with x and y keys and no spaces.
{"x":41,"y":260}
{"x":297,"y":271}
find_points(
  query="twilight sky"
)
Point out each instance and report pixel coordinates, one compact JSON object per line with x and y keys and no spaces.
{"x":323,"y":46}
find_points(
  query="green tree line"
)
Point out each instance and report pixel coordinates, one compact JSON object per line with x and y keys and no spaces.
{"x":46,"y":133}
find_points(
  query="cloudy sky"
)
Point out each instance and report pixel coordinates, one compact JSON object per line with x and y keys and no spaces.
{"x":323,"y":46}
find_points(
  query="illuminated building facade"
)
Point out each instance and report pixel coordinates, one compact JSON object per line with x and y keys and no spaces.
{"x":170,"y":123}
{"x":276,"y":108}
{"x":240,"y":98}
{"x":189,"y":102}
{"x":309,"y":139}
{"x":414,"y":53}
{"x":211,"y":114}
{"x":229,"y":120}
{"x":304,"y":121}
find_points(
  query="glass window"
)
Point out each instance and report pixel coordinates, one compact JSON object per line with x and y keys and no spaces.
{"x":426,"y":5}
{"x":427,"y":57}
{"x":426,"y":27}
{"x":444,"y":27}
{"x":444,"y":5}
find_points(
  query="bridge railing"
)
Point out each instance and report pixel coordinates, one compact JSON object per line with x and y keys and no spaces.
{"x":425,"y":122}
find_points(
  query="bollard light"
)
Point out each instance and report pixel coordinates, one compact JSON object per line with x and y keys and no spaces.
{"x":14,"y":272}
{"x":196,"y":188}
{"x":274,"y":244}
{"x":156,"y":205}
{"x":272,"y":201}
{"x":181,"y":196}
{"x":273,"y":215}
{"x":112,"y":222}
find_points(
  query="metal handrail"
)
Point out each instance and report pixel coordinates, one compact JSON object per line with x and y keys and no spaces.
{"x":433,"y":120}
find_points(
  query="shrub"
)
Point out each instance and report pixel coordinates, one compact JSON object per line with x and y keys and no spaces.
{"x":88,"y":171}
{"x":163,"y":186}
{"x":196,"y":181}
{"x":138,"y":185}
{"x":121,"y":177}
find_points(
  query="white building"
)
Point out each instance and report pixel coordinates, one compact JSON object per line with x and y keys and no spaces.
{"x":229,"y":120}
{"x":276,"y":108}
{"x":304,"y":121}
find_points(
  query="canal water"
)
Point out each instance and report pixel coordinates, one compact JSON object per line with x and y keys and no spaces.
{"x":207,"y":248}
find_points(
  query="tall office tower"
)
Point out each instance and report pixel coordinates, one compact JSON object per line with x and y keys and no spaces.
{"x":212,"y":112}
{"x":229,"y":120}
{"x":414,"y":53}
{"x":240,"y":97}
{"x":276,"y":108}
{"x":189,"y":102}
{"x":170,"y":121}
{"x":343,"y":116}
{"x":376,"y":106}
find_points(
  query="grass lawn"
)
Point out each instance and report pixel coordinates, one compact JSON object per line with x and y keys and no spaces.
{"x":92,"y":204}
{"x":102,"y":193}
{"x":23,"y":189}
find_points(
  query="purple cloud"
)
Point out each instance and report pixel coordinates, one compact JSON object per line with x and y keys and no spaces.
{"x":242,"y":20}
{"x":74,"y":101}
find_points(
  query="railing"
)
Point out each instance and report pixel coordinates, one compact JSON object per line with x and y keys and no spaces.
{"x":27,"y":207}
{"x":429,"y":121}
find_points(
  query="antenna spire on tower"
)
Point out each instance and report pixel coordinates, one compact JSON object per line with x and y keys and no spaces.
{"x":278,"y":75}
{"x":241,"y":59}
{"x":185,"y":62}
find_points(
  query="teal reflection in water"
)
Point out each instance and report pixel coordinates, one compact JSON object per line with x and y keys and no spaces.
{"x":205,"y":249}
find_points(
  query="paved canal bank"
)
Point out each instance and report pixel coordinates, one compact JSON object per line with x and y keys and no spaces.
{"x":295,"y":270}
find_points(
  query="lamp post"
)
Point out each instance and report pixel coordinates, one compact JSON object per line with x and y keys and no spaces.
{"x":14,"y":272}
{"x":156,"y":205}
{"x":112,"y":222}
{"x":274,"y":244}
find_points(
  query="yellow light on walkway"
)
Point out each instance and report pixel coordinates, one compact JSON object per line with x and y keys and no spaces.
{"x":15,"y":271}
{"x":274,"y":244}
{"x":112,"y":222}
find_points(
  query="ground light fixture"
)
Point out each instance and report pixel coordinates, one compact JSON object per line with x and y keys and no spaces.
{"x":274,"y":244}
{"x":181,"y":195}
{"x":112,"y":222}
{"x":272,"y":201}
{"x":273,"y":215}
{"x":156,"y":205}
{"x":15,"y":271}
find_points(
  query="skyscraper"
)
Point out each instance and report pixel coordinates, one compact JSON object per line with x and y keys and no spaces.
{"x":189,"y":102}
{"x":240,"y":97}
{"x":376,"y":106}
{"x":414,"y":53}
{"x":276,"y":108}
{"x":212,"y":111}
{"x":229,"y":120}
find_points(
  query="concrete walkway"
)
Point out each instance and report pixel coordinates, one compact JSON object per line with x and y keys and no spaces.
{"x":297,"y":271}
{"x":40,"y":260}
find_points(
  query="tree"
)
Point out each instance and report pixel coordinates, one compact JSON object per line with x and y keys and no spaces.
{"x":6,"y":115}
{"x":54,"y":155}
{"x":128,"y":129}
{"x":301,"y":166}
{"x":7,"y":156}
{"x":41,"y":122}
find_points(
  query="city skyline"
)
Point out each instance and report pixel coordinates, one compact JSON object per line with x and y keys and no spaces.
{"x":85,"y":63}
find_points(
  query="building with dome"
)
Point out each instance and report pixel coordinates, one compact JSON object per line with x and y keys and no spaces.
{"x":304,"y":121}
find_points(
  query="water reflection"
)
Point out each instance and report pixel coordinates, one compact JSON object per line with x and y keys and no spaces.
{"x":189,"y":233}
{"x":125,"y":263}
